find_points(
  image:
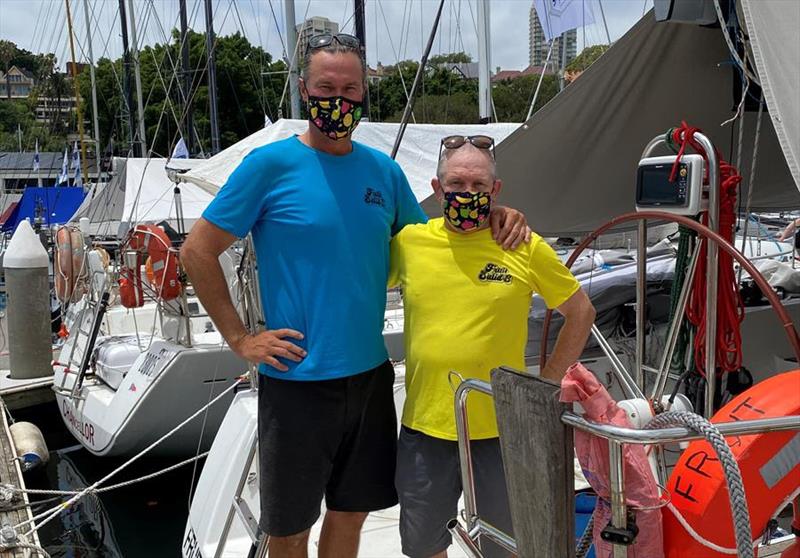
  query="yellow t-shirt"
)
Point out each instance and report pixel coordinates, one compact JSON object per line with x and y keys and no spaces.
{"x":466,"y":304}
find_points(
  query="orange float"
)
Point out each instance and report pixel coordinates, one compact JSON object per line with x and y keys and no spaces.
{"x":152,"y":244}
{"x":64,"y":278}
{"x":80,"y":270}
{"x":70,"y":268}
{"x":770,"y":467}
{"x":794,"y":549}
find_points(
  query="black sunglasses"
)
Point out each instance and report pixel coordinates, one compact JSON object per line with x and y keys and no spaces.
{"x":454,"y":142}
{"x":326,"y":39}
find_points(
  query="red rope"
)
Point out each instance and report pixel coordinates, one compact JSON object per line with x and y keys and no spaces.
{"x":730,"y":308}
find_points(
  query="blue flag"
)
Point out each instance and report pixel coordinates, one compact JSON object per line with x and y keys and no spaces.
{"x":36,"y":157}
{"x":77,"y":179}
{"x":63,"y":176}
{"x":180,"y":151}
{"x":75,"y":161}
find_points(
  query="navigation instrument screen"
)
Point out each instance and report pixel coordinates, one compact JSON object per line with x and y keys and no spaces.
{"x":654,"y":187}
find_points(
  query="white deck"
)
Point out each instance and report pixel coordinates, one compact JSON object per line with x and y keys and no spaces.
{"x":380,"y":537}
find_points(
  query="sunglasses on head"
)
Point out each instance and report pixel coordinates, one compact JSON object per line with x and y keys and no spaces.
{"x":326,"y":39}
{"x":454,"y":142}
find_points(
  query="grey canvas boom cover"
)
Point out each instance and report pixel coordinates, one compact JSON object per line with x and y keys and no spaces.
{"x":572,"y":166}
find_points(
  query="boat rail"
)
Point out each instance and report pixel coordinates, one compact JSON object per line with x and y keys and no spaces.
{"x":468,"y":535}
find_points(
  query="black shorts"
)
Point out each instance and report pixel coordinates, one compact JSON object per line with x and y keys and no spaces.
{"x":332,"y":438}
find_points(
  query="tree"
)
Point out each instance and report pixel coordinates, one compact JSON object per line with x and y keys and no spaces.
{"x":244,"y":94}
{"x":586,"y":58}
{"x":25,"y":59}
{"x":452,"y":58}
{"x":512,"y":97}
{"x":444,"y":96}
{"x":7,"y":52}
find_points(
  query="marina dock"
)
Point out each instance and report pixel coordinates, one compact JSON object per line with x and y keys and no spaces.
{"x":16,"y":510}
{"x":27,"y":392}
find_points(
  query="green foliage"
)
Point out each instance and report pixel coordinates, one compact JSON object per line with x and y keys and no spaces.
{"x":453,"y":57}
{"x":244,"y":95}
{"x":443,"y":97}
{"x":586,"y":58}
{"x":21,"y":112}
{"x":512,"y":97}
{"x":248,"y":88}
{"x":446,"y":97}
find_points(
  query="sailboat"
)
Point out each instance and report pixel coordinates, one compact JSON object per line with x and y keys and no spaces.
{"x":223,"y":519}
{"x":126,"y":375}
{"x":137,"y":362}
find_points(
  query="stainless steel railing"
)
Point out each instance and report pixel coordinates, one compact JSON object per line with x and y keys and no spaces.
{"x":468,"y":536}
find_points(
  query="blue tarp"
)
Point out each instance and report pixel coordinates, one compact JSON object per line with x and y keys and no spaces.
{"x":55,"y":204}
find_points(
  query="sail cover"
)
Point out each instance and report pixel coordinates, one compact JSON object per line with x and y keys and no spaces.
{"x":140,"y":191}
{"x":418,"y":154}
{"x":774,"y":30}
{"x":572,"y":166}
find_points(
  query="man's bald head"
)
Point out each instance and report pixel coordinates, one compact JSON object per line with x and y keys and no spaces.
{"x":466,"y":156}
{"x":466,"y":169}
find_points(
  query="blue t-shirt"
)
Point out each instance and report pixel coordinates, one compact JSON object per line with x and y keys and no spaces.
{"x":321,"y":226}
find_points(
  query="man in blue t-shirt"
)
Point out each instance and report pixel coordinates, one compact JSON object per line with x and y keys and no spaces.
{"x":322,"y":210}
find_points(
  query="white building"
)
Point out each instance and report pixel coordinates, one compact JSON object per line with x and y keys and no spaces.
{"x":539,"y":46}
{"x":317,"y":25}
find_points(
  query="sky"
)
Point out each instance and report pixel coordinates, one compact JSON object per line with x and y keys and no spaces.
{"x":396,"y":29}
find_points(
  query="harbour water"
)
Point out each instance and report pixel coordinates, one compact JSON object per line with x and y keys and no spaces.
{"x":144,"y":520}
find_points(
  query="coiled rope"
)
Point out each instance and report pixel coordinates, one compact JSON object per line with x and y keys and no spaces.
{"x":730,"y":308}
{"x":733,"y":478}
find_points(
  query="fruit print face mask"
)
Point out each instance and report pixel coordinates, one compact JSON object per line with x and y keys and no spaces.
{"x":466,"y":211}
{"x":336,"y":117}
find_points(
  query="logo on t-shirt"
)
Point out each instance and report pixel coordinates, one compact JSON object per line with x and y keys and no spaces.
{"x":495,"y":274}
{"x":374,"y":197}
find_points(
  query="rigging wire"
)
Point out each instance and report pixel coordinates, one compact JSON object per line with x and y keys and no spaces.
{"x":293,"y":61}
{"x":259,"y":90}
{"x":175,"y":75}
{"x":396,"y":57}
{"x":262,"y":43}
{"x":158,"y":127}
{"x":278,"y":28}
{"x":32,"y":46}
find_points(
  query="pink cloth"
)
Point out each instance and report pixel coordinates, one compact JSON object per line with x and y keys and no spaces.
{"x":641,"y":490}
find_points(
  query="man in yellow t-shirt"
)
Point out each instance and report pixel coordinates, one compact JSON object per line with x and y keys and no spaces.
{"x":466,"y":309}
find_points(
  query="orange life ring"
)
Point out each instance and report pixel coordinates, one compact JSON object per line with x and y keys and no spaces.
{"x":148,"y":272}
{"x":70,"y":269}
{"x":770,"y":467}
{"x":152,"y":243}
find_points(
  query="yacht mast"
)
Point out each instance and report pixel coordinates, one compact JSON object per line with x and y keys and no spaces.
{"x":362,"y":37}
{"x":94,"y":87}
{"x":212,"y":77}
{"x":83,"y":169}
{"x":137,"y":75}
{"x":484,"y":63}
{"x":188,"y":77}
{"x":294,"y":56}
{"x":127,"y":115}
{"x":417,"y":79}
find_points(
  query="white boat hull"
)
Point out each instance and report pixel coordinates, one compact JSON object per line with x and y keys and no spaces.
{"x":165,"y":385}
{"x":212,"y":519}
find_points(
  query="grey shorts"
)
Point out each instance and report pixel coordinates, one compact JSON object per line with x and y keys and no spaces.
{"x":428,"y":480}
